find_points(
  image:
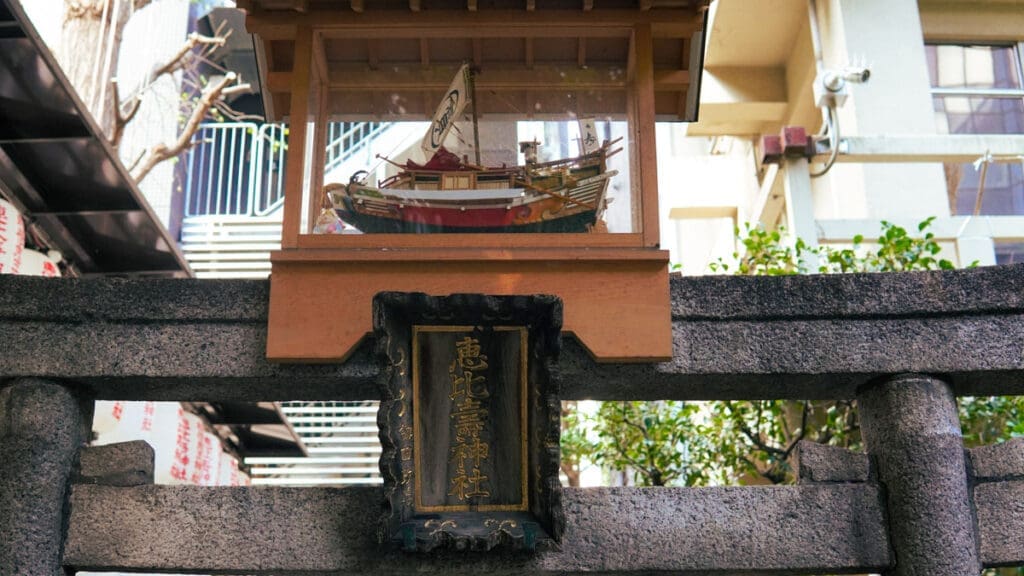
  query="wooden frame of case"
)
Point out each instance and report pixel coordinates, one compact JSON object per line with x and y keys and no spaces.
{"x":615,"y":286}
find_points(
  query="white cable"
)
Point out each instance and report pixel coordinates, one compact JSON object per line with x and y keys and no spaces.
{"x":833,"y":138}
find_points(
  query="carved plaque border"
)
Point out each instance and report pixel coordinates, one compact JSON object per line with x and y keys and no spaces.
{"x":398,"y":318}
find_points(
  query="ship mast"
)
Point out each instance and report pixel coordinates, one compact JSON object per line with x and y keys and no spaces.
{"x":472,"y":100}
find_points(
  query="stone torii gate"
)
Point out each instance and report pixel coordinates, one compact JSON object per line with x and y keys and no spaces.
{"x":903,"y":345}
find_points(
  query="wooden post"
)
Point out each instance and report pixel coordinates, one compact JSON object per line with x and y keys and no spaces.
{"x":316,"y":187}
{"x":476,"y":115}
{"x":298,"y":116}
{"x":646,"y":153}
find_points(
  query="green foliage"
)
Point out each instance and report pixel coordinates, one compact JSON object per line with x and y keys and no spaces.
{"x":897,"y":251}
{"x":988,"y":420}
{"x":753,"y":442}
{"x":767,"y":253}
{"x":1019,"y":571}
{"x":576,"y":447}
{"x":757,"y":439}
{"x":661,"y":443}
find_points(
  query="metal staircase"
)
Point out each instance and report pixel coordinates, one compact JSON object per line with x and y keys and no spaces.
{"x":341,"y":439}
{"x":234,"y":192}
{"x":226,"y":246}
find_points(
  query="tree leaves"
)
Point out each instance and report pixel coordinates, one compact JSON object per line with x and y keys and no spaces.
{"x":771,"y":253}
{"x":753,"y":442}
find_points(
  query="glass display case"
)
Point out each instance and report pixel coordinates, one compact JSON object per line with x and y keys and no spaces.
{"x":490,"y":159}
{"x":495,"y":150}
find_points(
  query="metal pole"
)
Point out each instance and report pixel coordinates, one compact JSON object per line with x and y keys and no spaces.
{"x":476,"y":128}
{"x":800,"y":206}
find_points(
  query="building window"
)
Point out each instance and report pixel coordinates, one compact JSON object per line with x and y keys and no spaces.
{"x":1009,"y":252}
{"x":980,"y":90}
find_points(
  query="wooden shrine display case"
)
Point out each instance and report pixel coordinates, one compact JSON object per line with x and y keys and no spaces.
{"x":495,"y":148}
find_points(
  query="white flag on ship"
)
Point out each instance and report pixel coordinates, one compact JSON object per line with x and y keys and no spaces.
{"x":451,"y":107}
{"x":588,"y":136}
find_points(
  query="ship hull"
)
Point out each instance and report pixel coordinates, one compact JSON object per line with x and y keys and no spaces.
{"x":372,"y":224}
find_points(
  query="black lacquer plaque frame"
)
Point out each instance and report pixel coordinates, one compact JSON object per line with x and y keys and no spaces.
{"x":406,"y":325}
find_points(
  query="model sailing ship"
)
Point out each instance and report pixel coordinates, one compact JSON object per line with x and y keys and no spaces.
{"x":449,"y":194}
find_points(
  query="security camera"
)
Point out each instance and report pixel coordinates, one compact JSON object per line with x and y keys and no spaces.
{"x":830,"y":85}
{"x":856,"y":74}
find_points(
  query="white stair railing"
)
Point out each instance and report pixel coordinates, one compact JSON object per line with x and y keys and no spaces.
{"x":341,"y":439}
{"x":237,"y":168}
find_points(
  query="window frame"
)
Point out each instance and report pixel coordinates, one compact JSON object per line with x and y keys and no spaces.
{"x":1018,"y":48}
{"x":989,"y":93}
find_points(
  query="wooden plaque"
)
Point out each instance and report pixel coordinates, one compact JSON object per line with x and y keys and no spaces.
{"x":469,"y":421}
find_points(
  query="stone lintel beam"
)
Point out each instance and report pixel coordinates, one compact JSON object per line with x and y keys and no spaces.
{"x":1003,"y":461}
{"x":120,"y":464}
{"x":818,"y":463}
{"x":758,"y":530}
{"x":1000,"y":510}
{"x":800,"y":337}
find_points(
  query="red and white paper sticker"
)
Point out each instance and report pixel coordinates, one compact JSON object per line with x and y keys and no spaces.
{"x":37,"y":264}
{"x":12,"y":239}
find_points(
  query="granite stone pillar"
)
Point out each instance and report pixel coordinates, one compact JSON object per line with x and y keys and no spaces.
{"x":41,"y":430}
{"x":910,"y":425}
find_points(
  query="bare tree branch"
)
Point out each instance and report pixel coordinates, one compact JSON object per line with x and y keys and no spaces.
{"x":181,"y":59}
{"x":753,"y":438}
{"x":235,"y":115}
{"x":121,"y":120}
{"x":802,"y":433}
{"x":162,"y":152}
{"x":183,"y":55}
{"x":136,"y":161}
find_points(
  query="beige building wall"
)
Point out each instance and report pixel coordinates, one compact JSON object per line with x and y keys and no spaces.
{"x":886,"y":37}
{"x":153,"y":36}
{"x":759,"y":72}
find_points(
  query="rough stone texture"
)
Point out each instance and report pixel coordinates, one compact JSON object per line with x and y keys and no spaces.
{"x":40,"y":432}
{"x":820,"y":463}
{"x":1002,"y":461}
{"x":813,"y":337}
{"x":121,"y":464}
{"x":1000,"y":508}
{"x":764,"y":530}
{"x":910,"y":426}
{"x":739,"y":338}
{"x":983,"y":290}
{"x":78,"y":300}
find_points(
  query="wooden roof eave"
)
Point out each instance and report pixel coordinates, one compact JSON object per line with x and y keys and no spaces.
{"x":284,"y":25}
{"x":279,"y":29}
